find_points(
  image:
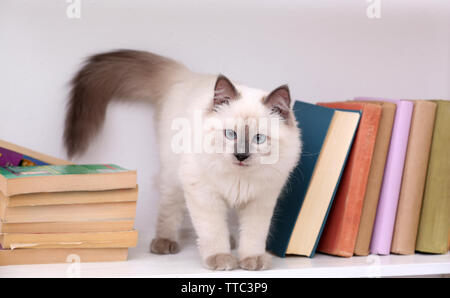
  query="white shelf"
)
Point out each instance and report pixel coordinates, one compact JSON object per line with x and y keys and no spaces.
{"x":187,"y":264}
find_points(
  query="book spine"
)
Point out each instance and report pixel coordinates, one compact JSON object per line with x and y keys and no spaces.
{"x":413,"y":183}
{"x":342,"y":227}
{"x":434,"y":223}
{"x":390,"y":190}
{"x":362,"y":246}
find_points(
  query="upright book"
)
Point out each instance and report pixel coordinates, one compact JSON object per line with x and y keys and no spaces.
{"x":376,"y":173}
{"x":434,"y":224}
{"x":341,"y":229}
{"x":302,"y":208}
{"x":414,"y":175}
{"x":390,"y":189}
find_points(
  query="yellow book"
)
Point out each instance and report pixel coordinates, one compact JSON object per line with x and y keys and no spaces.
{"x":72,"y":197}
{"x":61,"y":255}
{"x":68,"y":213}
{"x":70,"y":240}
{"x":68,"y":227}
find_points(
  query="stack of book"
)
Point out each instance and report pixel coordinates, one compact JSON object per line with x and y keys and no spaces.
{"x":51,"y":210}
{"x":374,"y":177}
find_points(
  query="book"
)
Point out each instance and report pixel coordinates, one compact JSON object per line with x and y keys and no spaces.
{"x":302,"y":208}
{"x":69,"y":240}
{"x":339,"y":235}
{"x":61,"y":255}
{"x":68,"y":213}
{"x":10,"y":158}
{"x":71,"y":197}
{"x":434,"y":223}
{"x":392,"y":179}
{"x":414,"y":175}
{"x":68,"y":227}
{"x":375,"y":179}
{"x":59,"y":178}
{"x":18,"y":155}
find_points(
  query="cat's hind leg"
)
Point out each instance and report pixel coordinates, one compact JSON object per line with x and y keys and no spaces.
{"x":172,"y":210}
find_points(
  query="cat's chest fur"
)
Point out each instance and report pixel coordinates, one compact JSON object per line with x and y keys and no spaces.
{"x":236,"y":190}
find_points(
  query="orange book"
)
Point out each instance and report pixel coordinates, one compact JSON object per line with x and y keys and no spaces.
{"x":376,"y":174}
{"x":341,"y":229}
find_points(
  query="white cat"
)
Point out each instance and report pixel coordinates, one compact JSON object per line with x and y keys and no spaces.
{"x":207,"y":183}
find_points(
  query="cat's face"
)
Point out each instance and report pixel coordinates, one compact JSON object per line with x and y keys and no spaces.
{"x":251,"y":130}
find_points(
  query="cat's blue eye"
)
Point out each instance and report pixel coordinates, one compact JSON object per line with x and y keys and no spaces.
{"x":230,"y":134}
{"x":259,"y":138}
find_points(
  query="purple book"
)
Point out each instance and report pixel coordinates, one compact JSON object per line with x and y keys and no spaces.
{"x":9,"y":158}
{"x":392,"y":180}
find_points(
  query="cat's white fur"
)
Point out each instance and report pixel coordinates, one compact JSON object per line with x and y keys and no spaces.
{"x":210,"y":184}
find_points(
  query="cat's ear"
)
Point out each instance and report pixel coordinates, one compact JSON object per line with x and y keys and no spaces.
{"x":279,"y":101}
{"x":224,"y":91}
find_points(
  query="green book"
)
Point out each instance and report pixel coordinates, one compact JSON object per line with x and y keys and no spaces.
{"x":57,"y":178}
{"x":302,"y":209}
{"x":434,"y":224}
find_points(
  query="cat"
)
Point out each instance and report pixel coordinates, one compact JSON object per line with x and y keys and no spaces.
{"x":207,"y":184}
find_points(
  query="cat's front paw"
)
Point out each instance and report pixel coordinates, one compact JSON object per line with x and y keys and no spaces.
{"x":162,"y":246}
{"x":259,"y":262}
{"x":221,"y":262}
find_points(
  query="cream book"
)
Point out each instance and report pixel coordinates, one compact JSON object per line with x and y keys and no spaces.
{"x":68,"y":213}
{"x":59,"y":178}
{"x":68,"y":227}
{"x":70,"y":240}
{"x":414,"y":176}
{"x":61,"y":255}
{"x":72,"y":197}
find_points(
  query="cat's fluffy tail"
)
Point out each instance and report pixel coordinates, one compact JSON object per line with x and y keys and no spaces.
{"x":125,"y":75}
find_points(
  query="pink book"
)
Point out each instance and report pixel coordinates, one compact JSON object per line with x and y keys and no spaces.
{"x":392,"y":180}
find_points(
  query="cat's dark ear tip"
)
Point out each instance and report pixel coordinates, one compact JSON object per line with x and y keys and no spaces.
{"x":284,"y":87}
{"x":224,"y":91}
{"x":222,"y":80}
{"x":282,"y":91}
{"x":221,"y":76}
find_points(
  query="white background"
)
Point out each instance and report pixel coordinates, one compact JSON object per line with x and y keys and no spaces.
{"x":325,"y":49}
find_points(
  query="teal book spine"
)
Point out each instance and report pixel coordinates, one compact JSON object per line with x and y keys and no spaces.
{"x":313,"y":121}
